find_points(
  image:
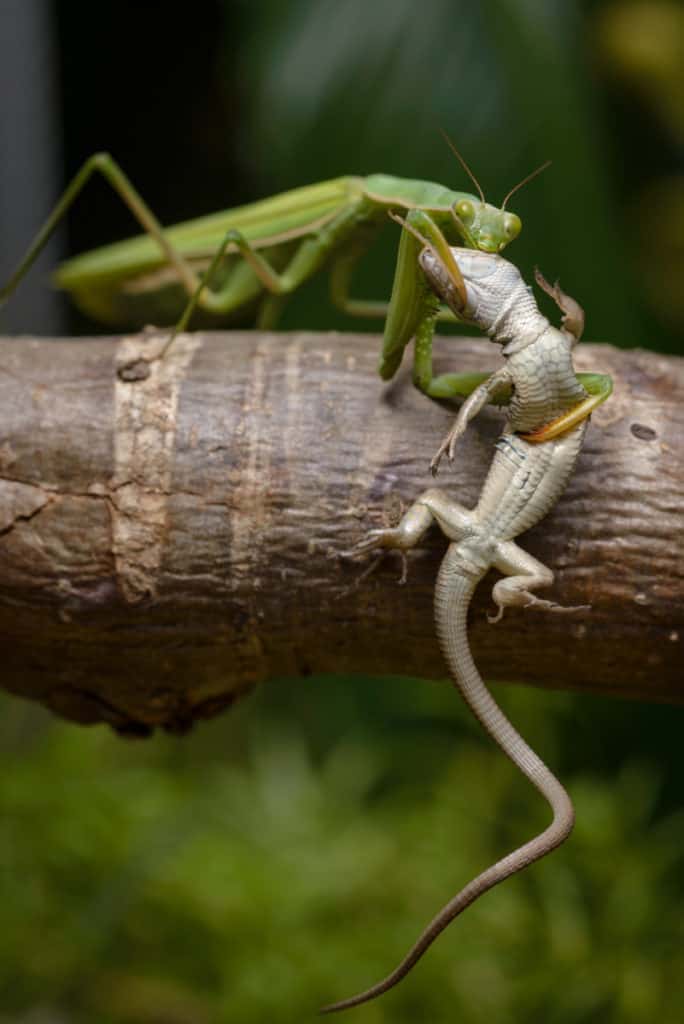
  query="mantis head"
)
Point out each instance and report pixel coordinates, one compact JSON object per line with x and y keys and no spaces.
{"x":483,"y":226}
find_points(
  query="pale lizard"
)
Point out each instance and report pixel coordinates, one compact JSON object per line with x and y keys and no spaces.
{"x":525,"y":480}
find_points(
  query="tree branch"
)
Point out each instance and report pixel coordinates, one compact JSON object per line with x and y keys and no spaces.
{"x":170,"y":533}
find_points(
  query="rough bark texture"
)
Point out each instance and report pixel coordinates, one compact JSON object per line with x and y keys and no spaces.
{"x":169,"y":538}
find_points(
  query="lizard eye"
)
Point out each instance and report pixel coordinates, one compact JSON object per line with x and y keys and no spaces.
{"x":465,"y":210}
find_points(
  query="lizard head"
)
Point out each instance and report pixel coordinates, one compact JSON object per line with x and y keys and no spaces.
{"x":497,"y":300}
{"x":490,"y":281}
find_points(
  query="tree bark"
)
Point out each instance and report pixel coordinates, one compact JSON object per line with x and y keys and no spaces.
{"x":170,"y":530}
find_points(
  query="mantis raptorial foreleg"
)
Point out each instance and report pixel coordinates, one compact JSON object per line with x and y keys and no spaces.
{"x":415,"y":308}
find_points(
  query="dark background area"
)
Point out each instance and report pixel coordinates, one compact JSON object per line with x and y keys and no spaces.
{"x":288,"y":853}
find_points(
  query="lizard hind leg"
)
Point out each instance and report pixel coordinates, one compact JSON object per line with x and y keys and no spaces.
{"x":523,"y":575}
{"x":432,"y":506}
{"x":573,"y":314}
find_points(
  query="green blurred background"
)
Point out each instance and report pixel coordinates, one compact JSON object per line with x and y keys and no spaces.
{"x":288,"y":853}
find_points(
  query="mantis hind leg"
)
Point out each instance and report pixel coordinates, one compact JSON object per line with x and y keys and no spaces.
{"x":104,"y":164}
{"x":240,"y":286}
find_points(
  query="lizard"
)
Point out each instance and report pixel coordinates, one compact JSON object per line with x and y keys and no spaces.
{"x":534,"y":458}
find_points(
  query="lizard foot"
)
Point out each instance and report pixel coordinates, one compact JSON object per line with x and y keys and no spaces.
{"x":512,"y":598}
{"x":379,"y":538}
{"x":573,"y":314}
{"x":570,"y":608}
{"x":551,"y":606}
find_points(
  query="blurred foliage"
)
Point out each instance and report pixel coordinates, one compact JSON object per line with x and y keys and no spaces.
{"x":641,"y":44}
{"x":290,"y":854}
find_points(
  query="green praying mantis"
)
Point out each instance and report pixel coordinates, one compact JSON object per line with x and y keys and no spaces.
{"x":251,"y":257}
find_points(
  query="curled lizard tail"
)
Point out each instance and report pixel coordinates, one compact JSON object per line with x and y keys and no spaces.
{"x":454,"y":590}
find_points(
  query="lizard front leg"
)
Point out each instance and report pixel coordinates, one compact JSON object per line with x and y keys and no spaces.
{"x":470,"y":408}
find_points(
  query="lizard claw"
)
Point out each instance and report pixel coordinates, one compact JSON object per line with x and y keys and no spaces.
{"x":444,"y":449}
{"x":571,"y":608}
{"x":447,"y":447}
{"x":363,"y":547}
{"x":434,"y":463}
{"x":378,"y":538}
{"x":375,"y":539}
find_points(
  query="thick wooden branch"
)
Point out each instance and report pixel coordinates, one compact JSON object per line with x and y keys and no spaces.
{"x":170,"y":532}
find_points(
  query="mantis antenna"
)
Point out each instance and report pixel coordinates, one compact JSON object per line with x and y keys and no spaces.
{"x":529,"y":177}
{"x":464,"y":165}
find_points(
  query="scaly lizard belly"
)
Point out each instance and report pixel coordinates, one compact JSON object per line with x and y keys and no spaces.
{"x":544,"y":382}
{"x":524,"y":482}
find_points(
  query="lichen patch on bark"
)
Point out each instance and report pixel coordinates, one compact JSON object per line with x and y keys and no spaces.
{"x":145,"y":429}
{"x":248,"y":500}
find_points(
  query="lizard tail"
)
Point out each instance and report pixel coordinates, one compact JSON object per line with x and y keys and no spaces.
{"x":454,"y":590}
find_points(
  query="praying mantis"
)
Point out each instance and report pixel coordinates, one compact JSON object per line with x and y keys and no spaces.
{"x":251,"y":257}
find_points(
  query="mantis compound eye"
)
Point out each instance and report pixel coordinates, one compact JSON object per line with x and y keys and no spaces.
{"x":511,"y":226}
{"x":465,"y":210}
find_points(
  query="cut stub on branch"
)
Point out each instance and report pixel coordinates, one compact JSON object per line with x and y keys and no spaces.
{"x":169,"y":538}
